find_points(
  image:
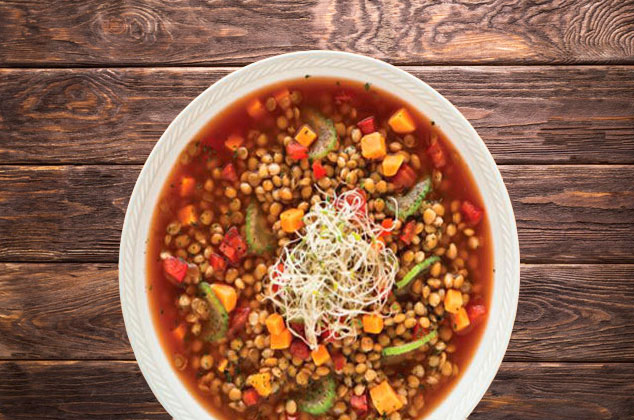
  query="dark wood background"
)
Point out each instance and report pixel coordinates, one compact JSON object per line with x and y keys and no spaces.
{"x":87,"y":87}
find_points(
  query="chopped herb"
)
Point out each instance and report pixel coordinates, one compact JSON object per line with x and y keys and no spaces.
{"x":433,"y":122}
{"x":307,"y":76}
{"x":150,"y":288}
{"x":367,"y":86}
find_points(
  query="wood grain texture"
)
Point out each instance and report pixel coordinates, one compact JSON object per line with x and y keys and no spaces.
{"x":524,"y":114}
{"x":75,"y":213}
{"x":574,"y":313}
{"x":71,"y":311}
{"x":116,"y":390}
{"x":61,"y":311}
{"x":135,"y":32}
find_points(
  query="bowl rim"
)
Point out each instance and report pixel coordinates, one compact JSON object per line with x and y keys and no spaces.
{"x":151,"y":358}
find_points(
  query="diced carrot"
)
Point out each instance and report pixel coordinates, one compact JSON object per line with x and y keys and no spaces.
{"x":275,"y":324}
{"x":233,"y":142}
{"x":282,"y":340}
{"x":291,"y":220}
{"x":460,"y":320}
{"x":305,"y":135}
{"x":372,"y":324}
{"x":180,"y":331}
{"x":373,"y":146}
{"x":226,"y":295}
{"x":187,"y":186}
{"x":391,"y":164}
{"x":402,"y":122}
{"x":187,"y":215}
{"x":283,"y":98}
{"x":453,"y":301}
{"x":320,"y":355}
{"x":256,"y":109}
{"x":261,"y":382}
{"x":385,"y":400}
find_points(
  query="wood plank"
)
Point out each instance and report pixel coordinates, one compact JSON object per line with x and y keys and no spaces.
{"x":524,"y":114}
{"x":113,"y":390}
{"x":61,"y":311}
{"x":457,"y":31}
{"x":75,"y":213}
{"x":566,"y":313}
{"x":574,"y":313}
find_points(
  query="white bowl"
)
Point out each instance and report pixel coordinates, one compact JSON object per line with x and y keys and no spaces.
{"x":152,"y":360}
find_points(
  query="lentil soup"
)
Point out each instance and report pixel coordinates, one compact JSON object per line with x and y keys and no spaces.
{"x":320,"y":250}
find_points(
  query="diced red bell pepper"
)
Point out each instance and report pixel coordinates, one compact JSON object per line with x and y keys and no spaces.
{"x":218,"y":262}
{"x":342,"y":96}
{"x":386,"y":224}
{"x":408,"y":232}
{"x":359,"y":199}
{"x":229,"y":173}
{"x":318,"y":170}
{"x":476,"y":313}
{"x":175,"y":269}
{"x":419,"y":331}
{"x":296,"y":151}
{"x":250,"y":397}
{"x":359,"y":403}
{"x":339,"y":360}
{"x":367,"y":125}
{"x":437,"y":155}
{"x":233,"y":245}
{"x":405,"y":177}
{"x":299,"y":349}
{"x":472,"y":213}
{"x":238,"y":320}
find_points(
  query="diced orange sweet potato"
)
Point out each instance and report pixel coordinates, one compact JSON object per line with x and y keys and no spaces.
{"x":282,"y":340}
{"x":275,"y":323}
{"x":283,"y":98}
{"x":256,"y":109}
{"x":261,"y":382}
{"x":373,"y":146}
{"x":385,"y":400}
{"x":187,"y":186}
{"x":233,"y":142}
{"x":372,"y":324}
{"x":460,"y":320}
{"x":320,"y":355}
{"x":291,"y":220}
{"x":226,"y":295}
{"x":187,"y":215}
{"x":402,"y":122}
{"x":391,"y":164}
{"x":305,"y":135}
{"x":453,"y":301}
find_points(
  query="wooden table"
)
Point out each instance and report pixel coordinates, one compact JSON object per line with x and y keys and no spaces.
{"x":87,"y":87}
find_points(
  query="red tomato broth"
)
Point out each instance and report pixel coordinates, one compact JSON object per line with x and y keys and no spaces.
{"x":458,"y":183}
